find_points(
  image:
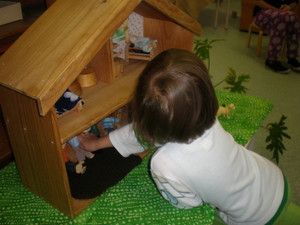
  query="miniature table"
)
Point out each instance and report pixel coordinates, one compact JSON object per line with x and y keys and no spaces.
{"x":134,"y":200}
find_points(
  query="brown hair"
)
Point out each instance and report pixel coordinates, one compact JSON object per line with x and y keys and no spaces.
{"x":174,"y":99}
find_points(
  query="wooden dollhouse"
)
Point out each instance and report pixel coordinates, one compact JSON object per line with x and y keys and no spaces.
{"x":36,"y":70}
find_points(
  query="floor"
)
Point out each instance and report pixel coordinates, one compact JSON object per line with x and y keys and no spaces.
{"x":282,"y":90}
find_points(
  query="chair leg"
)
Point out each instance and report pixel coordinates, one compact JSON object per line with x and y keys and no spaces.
{"x":249,"y":35}
{"x":259,"y":43}
{"x":227,"y":14}
{"x":217,"y":13}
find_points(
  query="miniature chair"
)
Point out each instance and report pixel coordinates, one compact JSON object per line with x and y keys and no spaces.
{"x":254,"y":27}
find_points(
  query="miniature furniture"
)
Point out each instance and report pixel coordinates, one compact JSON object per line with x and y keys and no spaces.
{"x":135,"y":199}
{"x":254,"y":28}
{"x":37,"y":69}
{"x":134,"y":53}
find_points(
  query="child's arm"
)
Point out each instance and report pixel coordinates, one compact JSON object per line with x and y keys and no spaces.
{"x":123,"y":139}
{"x":90,"y":142}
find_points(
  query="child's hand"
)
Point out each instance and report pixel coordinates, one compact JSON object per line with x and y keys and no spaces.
{"x":88,"y":141}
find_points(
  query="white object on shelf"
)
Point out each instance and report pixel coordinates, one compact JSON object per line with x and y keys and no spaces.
{"x":10,"y":12}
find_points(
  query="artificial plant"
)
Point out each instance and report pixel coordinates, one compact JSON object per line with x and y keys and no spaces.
{"x":201,"y":49}
{"x":275,"y":137}
{"x":235,"y":82}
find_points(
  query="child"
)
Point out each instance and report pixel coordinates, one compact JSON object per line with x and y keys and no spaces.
{"x":174,"y":109}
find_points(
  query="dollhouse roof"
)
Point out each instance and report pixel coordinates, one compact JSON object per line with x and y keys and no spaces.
{"x":47,"y":58}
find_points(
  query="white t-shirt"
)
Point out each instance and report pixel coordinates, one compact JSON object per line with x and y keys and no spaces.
{"x":245,"y":187}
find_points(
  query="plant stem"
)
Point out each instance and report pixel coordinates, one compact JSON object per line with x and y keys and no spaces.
{"x":219,"y":83}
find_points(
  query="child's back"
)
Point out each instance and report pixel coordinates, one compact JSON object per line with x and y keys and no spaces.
{"x":216,"y":170}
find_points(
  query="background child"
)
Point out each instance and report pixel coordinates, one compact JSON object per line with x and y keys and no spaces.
{"x":174,"y":109}
{"x":278,"y":18}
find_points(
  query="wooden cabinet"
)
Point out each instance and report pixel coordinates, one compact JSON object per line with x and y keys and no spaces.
{"x":48,"y":57}
{"x":246,"y":14}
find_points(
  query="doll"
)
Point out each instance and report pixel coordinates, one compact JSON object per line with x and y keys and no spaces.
{"x":143,"y":43}
{"x":71,"y":161}
{"x":77,"y":165}
{"x":80,"y":153}
{"x":107,"y":125}
{"x":69,"y":101}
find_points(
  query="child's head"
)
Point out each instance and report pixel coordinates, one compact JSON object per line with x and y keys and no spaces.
{"x":174,"y":100}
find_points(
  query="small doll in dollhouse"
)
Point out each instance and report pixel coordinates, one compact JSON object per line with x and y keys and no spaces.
{"x":143,"y":43}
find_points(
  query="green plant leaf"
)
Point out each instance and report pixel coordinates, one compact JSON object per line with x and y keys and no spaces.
{"x":202,"y":49}
{"x":235,"y":82}
{"x":275,"y":138}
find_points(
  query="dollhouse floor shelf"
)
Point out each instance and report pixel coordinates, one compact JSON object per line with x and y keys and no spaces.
{"x":106,"y":97}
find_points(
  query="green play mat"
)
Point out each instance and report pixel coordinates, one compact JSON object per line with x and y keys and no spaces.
{"x":134,"y":200}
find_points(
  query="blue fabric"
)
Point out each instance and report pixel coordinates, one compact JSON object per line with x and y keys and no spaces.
{"x":66,"y":102}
